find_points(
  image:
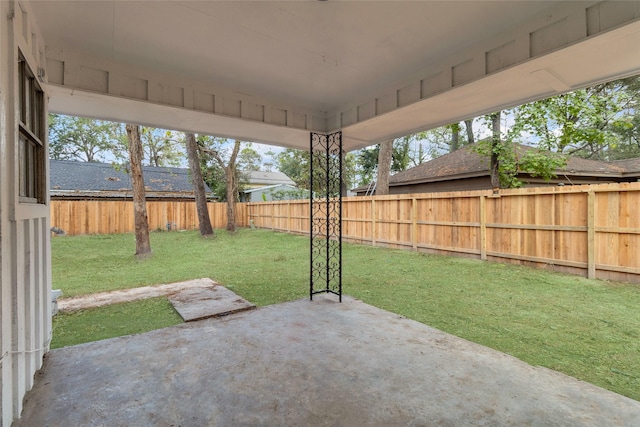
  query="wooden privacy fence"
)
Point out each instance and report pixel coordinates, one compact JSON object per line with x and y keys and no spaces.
{"x":592,"y":230}
{"x":106,"y":217}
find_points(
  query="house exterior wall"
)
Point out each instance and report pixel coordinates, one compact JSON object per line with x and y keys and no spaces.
{"x":25,"y":278}
{"x":467,"y":184}
{"x":257,"y":194}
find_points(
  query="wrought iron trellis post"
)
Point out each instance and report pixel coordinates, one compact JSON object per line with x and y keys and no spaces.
{"x":326,"y":214}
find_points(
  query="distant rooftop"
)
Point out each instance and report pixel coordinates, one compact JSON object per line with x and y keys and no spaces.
{"x":69,"y":178}
{"x":262,"y":178}
{"x":467,"y":162}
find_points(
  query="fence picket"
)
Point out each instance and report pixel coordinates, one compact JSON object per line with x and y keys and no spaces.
{"x":592,"y":230}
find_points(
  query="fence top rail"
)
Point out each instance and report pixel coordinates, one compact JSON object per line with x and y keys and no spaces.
{"x":566,"y":189}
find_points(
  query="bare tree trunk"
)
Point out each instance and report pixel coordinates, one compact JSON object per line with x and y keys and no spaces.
{"x":198,"y":185}
{"x":455,"y":137}
{"x":343,"y":181}
{"x":231,"y":179}
{"x":232,"y":187}
{"x":495,"y":143}
{"x":469,"y":126}
{"x":143,"y":244}
{"x":384,"y":167}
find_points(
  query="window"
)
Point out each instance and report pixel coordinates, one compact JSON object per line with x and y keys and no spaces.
{"x":31,"y":136}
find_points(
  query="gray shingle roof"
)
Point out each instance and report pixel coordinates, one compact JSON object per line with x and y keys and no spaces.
{"x":69,"y":176}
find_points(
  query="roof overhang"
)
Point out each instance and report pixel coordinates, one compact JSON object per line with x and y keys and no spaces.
{"x":274,"y":71}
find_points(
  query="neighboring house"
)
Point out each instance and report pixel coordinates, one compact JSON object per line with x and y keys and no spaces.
{"x":267,"y":182}
{"x":72,"y":180}
{"x":465,"y":169}
{"x":273,"y":192}
{"x":256,"y":179}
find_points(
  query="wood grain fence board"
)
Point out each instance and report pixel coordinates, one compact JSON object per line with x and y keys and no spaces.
{"x":548,"y":227}
{"x":107,"y":217}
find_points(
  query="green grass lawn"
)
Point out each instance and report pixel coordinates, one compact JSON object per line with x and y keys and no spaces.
{"x":113,"y":321}
{"x":588,"y":329}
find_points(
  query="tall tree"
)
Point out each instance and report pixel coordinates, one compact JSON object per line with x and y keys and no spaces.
{"x":268,"y":164}
{"x":401,"y":153}
{"x":215,"y":148}
{"x":367,"y":161}
{"x":469,"y":127}
{"x":249,"y":160}
{"x":507,"y":158}
{"x":143,"y":244}
{"x":204,"y":220}
{"x":455,"y":137}
{"x":348,"y":172}
{"x":160,"y":147}
{"x":384,"y":167}
{"x":81,"y":138}
{"x":295,"y":164}
{"x":496,"y":146}
{"x":579,"y":122}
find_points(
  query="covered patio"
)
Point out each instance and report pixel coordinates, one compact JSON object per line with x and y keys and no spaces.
{"x":282,"y":73}
{"x":309,"y":363}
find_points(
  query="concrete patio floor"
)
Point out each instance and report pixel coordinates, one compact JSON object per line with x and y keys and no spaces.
{"x":308,"y":363}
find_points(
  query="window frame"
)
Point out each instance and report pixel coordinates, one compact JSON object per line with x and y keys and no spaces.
{"x":31,"y":138}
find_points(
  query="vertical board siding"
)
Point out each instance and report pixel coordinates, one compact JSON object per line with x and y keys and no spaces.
{"x":28,"y":308}
{"x":548,"y":227}
{"x":77,"y":217}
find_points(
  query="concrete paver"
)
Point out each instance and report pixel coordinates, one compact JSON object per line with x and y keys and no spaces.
{"x":126,"y":295}
{"x":199,"y":303}
{"x":308,"y":363}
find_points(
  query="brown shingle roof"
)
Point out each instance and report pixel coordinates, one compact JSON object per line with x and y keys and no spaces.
{"x":466,"y":162}
{"x":631,"y":167}
{"x":463,"y":162}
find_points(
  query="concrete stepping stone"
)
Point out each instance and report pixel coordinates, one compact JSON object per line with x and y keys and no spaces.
{"x":211,"y":301}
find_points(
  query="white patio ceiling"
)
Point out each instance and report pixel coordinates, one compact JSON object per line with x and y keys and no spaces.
{"x":272,"y":71}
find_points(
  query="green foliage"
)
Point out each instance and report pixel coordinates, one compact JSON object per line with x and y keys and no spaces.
{"x":81,"y":138}
{"x":401,"y":159}
{"x":160,"y":147}
{"x":249,"y":159}
{"x":541,"y":163}
{"x":215,"y":155}
{"x":295,"y":164}
{"x":585,"y":122}
{"x":584,"y":328}
{"x":90,"y":140}
{"x":349,"y":170}
{"x":515,"y":159}
{"x":409,"y":151}
{"x":296,"y":194}
{"x":367,"y":164}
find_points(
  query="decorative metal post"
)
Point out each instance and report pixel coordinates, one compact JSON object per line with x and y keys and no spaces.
{"x":326,"y":214}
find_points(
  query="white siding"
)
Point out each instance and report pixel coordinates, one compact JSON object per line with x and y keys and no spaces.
{"x":25,"y":277}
